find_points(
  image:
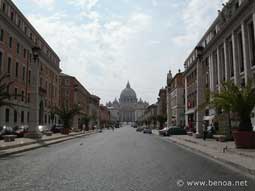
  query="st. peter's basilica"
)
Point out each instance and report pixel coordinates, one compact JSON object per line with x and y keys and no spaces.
{"x":127,"y":108}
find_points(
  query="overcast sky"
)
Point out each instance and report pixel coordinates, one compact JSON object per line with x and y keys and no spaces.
{"x":105,"y":43}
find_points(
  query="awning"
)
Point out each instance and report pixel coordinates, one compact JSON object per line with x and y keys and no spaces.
{"x":209,"y":118}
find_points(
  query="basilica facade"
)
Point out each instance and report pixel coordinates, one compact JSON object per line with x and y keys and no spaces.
{"x":128,"y":108}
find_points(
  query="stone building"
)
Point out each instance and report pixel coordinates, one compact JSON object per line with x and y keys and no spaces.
{"x":104,"y":116}
{"x":73,"y":93}
{"x":128,"y":108}
{"x":94,"y":111}
{"x":225,"y":52}
{"x":32,"y":65}
{"x":175,"y":100}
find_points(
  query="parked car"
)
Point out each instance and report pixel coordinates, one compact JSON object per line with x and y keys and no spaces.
{"x":21,"y":130}
{"x":163,"y":132}
{"x":140,"y":129}
{"x":6,"y":130}
{"x":57,"y":128}
{"x":100,"y":130}
{"x":176,"y":131}
{"x":147,"y":130}
{"x":43,"y":128}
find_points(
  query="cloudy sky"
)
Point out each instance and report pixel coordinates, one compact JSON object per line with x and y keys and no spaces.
{"x":105,"y":43}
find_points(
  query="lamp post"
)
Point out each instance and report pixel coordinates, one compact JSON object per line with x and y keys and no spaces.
{"x":33,"y":131}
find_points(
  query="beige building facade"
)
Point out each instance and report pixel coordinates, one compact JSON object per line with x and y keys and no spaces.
{"x":225,"y":52}
{"x":33,"y":67}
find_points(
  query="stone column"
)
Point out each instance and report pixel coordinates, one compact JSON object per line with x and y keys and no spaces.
{"x":33,"y":131}
{"x":211,"y":72}
{"x":247,"y":71}
{"x":169,"y":107}
{"x":186,"y":101}
{"x":227,"y":72}
{"x":200,"y":100}
{"x":219,"y":69}
{"x":235,"y":59}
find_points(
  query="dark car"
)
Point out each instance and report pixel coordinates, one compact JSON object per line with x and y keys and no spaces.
{"x":57,"y":128}
{"x":147,"y":130}
{"x":176,"y":131}
{"x":21,"y":130}
{"x":6,"y":130}
{"x":140,"y":129}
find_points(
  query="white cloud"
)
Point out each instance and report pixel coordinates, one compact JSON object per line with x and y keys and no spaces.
{"x":47,"y":3}
{"x":85,"y":4}
{"x":197,"y":17}
{"x":93,"y":52}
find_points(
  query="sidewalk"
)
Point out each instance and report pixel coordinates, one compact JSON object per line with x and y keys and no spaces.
{"x":240,"y":159}
{"x":26,"y":144}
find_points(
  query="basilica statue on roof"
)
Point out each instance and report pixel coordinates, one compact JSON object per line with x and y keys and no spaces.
{"x":128,"y":108}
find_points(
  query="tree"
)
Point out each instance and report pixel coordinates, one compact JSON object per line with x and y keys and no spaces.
{"x":85,"y":120}
{"x":161,"y":119}
{"x":66,"y":114}
{"x":5,"y":96}
{"x":237,"y":100}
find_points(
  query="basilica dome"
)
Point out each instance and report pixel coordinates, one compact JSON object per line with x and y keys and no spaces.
{"x":128,"y":94}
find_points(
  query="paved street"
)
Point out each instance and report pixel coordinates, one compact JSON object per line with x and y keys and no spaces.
{"x":123,"y":160}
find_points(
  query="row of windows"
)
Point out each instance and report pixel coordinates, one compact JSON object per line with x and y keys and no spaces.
{"x":16,"y":116}
{"x":26,"y":53}
{"x":20,"y":23}
{"x":17,"y":67}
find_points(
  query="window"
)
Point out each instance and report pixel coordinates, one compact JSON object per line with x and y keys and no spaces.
{"x":222,"y":62}
{"x":240,"y":51}
{"x":23,"y":73}
{"x":7,"y":115}
{"x":251,"y":43}
{"x":15,"y":116}
{"x":28,"y":98}
{"x":1,"y":35}
{"x":29,"y":76}
{"x":17,"y":70}
{"x":215,"y":67}
{"x":15,"y":93}
{"x":231,"y":57}
{"x":12,"y":16}
{"x":18,"y":47}
{"x":9,"y":65}
{"x":22,"y":116}
{"x":242,"y":83}
{"x":24,"y":53}
{"x":4,"y":7}
{"x":22,"y":95}
{"x":1,"y":61}
{"x":10,"y":42}
{"x":28,"y":117}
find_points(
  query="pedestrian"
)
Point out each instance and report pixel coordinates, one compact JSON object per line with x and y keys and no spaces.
{"x":204,"y":131}
{"x":83,"y":128}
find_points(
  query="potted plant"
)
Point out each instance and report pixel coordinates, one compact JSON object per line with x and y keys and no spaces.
{"x":66,"y":115}
{"x":240,"y":101}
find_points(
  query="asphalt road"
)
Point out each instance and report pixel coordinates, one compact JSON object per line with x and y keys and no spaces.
{"x":123,"y":160}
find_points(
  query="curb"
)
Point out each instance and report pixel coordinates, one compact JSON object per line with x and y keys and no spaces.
{"x":50,"y":142}
{"x":36,"y":141}
{"x":233,"y":166}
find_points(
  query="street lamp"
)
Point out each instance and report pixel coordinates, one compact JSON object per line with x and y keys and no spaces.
{"x":33,"y":131}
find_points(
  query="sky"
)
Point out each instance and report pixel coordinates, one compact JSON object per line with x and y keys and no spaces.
{"x":105,"y":43}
